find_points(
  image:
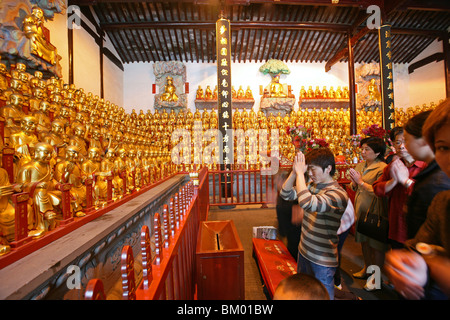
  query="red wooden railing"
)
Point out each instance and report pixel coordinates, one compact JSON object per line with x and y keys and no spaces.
{"x":252,"y":186}
{"x":24,"y":244}
{"x":170,"y":273}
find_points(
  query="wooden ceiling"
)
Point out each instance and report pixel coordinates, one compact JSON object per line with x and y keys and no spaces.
{"x":292,"y":31}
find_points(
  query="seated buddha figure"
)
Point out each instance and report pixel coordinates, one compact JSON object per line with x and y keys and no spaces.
{"x":240,"y":93}
{"x":24,"y":141}
{"x":199,"y":94}
{"x":7,"y":213}
{"x":36,"y":177}
{"x":276,"y":88}
{"x":91,"y":168}
{"x":33,"y":29}
{"x":169,"y":91}
{"x":13,"y":114}
{"x":248,"y":93}
{"x":208,"y":93}
{"x":69,"y":171}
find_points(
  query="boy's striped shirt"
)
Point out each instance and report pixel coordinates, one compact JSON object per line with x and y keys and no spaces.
{"x":324,"y":204}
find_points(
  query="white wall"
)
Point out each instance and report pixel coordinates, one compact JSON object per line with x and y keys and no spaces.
{"x":86,"y":60}
{"x":427,"y":84}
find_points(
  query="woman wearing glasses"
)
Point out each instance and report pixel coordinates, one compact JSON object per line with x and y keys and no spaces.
{"x":388,"y":186}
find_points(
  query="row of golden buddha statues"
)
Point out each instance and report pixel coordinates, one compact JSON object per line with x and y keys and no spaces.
{"x":324,"y":93}
{"x":208,"y":94}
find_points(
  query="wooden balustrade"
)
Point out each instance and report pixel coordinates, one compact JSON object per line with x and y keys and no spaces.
{"x":170,"y":274}
{"x":24,"y":244}
{"x":243,"y":186}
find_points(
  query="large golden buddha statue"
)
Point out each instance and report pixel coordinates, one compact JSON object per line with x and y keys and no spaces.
{"x":169,"y":91}
{"x":276,"y":88}
{"x":33,"y":27}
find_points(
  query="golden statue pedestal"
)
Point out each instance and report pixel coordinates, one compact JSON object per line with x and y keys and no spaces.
{"x":323,"y":103}
{"x":275,"y":105}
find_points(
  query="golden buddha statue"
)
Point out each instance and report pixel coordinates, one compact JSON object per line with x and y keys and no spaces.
{"x":69,"y":171}
{"x":78,"y":139}
{"x":215,"y":93}
{"x":374,"y":93}
{"x":303,"y":93}
{"x":15,"y":87}
{"x":33,"y":28}
{"x":3,"y":78}
{"x":7,"y":213}
{"x":36,"y":177}
{"x":310,"y":93}
{"x":169,"y":94}
{"x":26,"y":90}
{"x":208,"y":93}
{"x":199,"y":95}
{"x":95,"y":142}
{"x":36,"y":79}
{"x":325,"y":94}
{"x":339,"y":93}
{"x":35,"y":99}
{"x":43,"y":118}
{"x":240,"y":93}
{"x":317,"y":93}
{"x":91,"y":168}
{"x":276,"y":88}
{"x":332,"y":93}
{"x":13,"y":114}
{"x":57,"y":139}
{"x":24,"y":141}
{"x":346,"y":93}
{"x":248,"y":93}
{"x":233,"y":93}
{"x":120,"y":166}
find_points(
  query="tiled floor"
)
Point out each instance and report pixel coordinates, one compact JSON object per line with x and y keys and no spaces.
{"x":245,"y":217}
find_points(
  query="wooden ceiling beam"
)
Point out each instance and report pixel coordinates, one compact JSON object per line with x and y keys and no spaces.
{"x":234,"y":25}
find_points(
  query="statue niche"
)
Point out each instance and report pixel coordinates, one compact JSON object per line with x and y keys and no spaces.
{"x":276,"y":97}
{"x":170,"y":78}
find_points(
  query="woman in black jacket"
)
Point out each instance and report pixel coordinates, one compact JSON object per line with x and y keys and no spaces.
{"x":425,"y":184}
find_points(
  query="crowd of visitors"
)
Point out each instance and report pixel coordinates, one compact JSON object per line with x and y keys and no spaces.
{"x":407,"y":190}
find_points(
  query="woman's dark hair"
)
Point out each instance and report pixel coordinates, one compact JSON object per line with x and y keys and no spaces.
{"x":376,"y":144}
{"x":415,"y":124}
{"x":322,"y":157}
{"x":395,"y":132}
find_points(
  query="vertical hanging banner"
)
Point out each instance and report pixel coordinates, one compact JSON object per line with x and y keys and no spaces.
{"x":223,"y":36}
{"x":387,"y":79}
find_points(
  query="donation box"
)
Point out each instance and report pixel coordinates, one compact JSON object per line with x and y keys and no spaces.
{"x":220,"y":262}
